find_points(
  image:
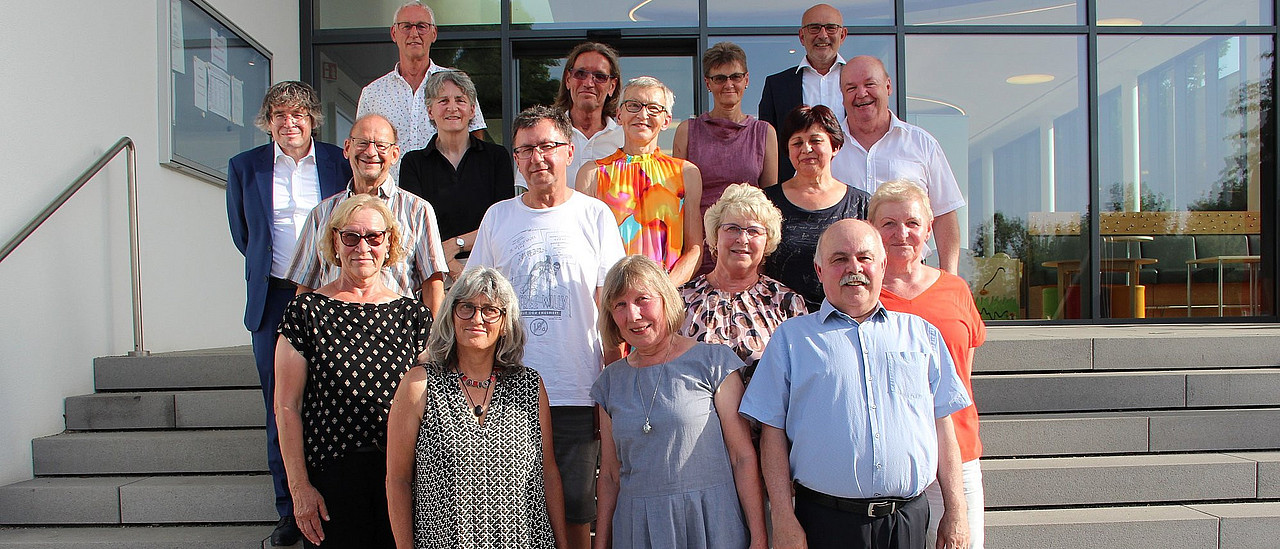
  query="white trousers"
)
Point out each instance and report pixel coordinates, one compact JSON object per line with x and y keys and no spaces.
{"x":971,"y":472}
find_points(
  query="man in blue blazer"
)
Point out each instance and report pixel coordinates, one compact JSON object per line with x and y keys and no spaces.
{"x":270,"y":191}
{"x":815,"y":81}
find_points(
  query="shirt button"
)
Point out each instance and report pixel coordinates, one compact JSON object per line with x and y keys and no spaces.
{"x":877,"y":436}
{"x":873,"y":406}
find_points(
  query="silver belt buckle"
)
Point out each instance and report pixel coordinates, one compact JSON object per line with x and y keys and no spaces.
{"x":872,"y":507}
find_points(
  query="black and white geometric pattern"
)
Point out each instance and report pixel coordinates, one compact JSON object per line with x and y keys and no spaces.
{"x":356,"y":354}
{"x":480,"y":486}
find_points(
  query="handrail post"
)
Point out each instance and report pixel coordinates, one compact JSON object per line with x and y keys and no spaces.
{"x":135,"y":267}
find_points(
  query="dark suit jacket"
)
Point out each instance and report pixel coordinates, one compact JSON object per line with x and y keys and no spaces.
{"x":249,"y":211}
{"x":783,"y":92}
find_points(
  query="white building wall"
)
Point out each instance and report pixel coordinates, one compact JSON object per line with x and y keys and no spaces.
{"x":75,"y":76}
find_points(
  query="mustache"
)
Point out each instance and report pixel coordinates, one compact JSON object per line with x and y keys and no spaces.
{"x":854,"y":278}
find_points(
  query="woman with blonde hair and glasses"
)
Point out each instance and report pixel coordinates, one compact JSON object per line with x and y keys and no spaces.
{"x":469,"y":455}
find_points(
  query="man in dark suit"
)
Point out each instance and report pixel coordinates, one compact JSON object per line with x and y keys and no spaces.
{"x":815,"y":81}
{"x":270,"y":191}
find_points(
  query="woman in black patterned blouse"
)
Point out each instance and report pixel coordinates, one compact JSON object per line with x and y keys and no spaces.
{"x":342,"y":351}
{"x":469,"y":456}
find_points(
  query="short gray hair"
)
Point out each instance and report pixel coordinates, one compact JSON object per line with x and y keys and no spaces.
{"x":899,"y":191}
{"x":413,"y":3}
{"x":435,"y":85}
{"x":668,"y":96}
{"x":442,"y":343}
{"x":746,"y":200}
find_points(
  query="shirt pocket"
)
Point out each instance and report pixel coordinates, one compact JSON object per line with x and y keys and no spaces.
{"x":908,"y":374}
{"x":910,"y":170}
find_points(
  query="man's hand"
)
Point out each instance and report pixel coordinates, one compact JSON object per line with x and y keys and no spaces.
{"x":953,"y":531}
{"x":787,"y":533}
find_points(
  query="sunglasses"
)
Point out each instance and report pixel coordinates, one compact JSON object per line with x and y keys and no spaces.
{"x":352,"y":239}
{"x":599,"y":77}
{"x":720,"y":79}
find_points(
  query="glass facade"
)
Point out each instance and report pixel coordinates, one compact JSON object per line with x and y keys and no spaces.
{"x":1117,"y":156}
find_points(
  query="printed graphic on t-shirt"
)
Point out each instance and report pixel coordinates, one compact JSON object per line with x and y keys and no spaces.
{"x":542,"y":293}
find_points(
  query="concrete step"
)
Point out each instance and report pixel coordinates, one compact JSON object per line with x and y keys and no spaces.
{"x":1080,"y":391}
{"x":1063,"y":348}
{"x":1245,"y":525}
{"x":138,"y":500}
{"x":1092,"y":433}
{"x":166,"y":410}
{"x":1112,"y":527}
{"x":1118,"y":480}
{"x":222,"y":368}
{"x":137,"y":537}
{"x":147,"y":452}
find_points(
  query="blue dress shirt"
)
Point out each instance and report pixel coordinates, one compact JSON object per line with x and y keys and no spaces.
{"x":857,"y":400}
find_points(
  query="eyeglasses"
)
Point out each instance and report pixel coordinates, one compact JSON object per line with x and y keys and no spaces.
{"x":488,"y":313}
{"x":544,"y":149}
{"x":599,"y":77}
{"x":633,"y":106}
{"x":405,"y":26}
{"x":720,"y":79}
{"x":815,"y":28}
{"x":362,"y":144}
{"x":352,"y":239}
{"x":735,"y":230}
{"x":296,"y":118}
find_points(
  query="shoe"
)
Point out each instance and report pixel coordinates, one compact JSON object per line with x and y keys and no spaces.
{"x":286,"y":533}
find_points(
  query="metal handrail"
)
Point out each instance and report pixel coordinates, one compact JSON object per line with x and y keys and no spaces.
{"x":131,"y":161}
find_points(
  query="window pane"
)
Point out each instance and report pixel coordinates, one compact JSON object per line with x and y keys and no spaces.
{"x":767,"y":55}
{"x":770,"y":13}
{"x":1184,"y":12}
{"x":625,"y":14}
{"x":352,"y":14}
{"x":1019,"y":150}
{"x":994,"y":12}
{"x":1186,"y":115}
{"x":346,"y":69}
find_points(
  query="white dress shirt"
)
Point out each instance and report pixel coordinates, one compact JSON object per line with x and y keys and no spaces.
{"x":906,"y":152}
{"x":820,"y":89}
{"x":295,"y":189}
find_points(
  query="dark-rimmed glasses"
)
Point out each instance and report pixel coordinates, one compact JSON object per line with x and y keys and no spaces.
{"x":582,"y":74}
{"x":815,"y":28}
{"x":422,"y":27}
{"x":526,"y":152}
{"x":362,"y":144}
{"x":633,"y":106}
{"x":735,"y":230}
{"x":352,"y":239}
{"x":720,"y":79}
{"x":488,"y":313}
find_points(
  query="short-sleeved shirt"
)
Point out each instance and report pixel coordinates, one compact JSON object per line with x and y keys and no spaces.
{"x":858,"y":400}
{"x":948,"y":306}
{"x":792,"y":263}
{"x":356,"y":354}
{"x":555,"y":258}
{"x":461,"y":195}
{"x":419,"y":239}
{"x":906,"y":152}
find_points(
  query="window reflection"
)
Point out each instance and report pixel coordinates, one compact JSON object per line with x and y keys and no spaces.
{"x":994,"y":12}
{"x":552,"y":14}
{"x":769,"y":13}
{"x":346,"y":14}
{"x":1149,"y":13}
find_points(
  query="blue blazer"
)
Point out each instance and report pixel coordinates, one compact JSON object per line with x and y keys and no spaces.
{"x":783,"y":92}
{"x":249,"y":211}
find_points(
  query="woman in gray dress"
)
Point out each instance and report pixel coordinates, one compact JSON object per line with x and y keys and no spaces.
{"x":677,"y":468}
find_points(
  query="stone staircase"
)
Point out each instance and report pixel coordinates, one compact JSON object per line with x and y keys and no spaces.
{"x":1118,"y":437}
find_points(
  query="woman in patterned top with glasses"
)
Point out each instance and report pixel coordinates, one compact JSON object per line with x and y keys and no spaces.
{"x":469,"y":461}
{"x":343,"y":349}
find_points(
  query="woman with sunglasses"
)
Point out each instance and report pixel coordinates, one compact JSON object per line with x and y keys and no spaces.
{"x":727,"y":146}
{"x":343,"y":349}
{"x":469,"y":455}
{"x":653,"y":196}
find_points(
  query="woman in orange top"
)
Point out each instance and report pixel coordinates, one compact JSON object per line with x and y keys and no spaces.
{"x":647,"y":190}
{"x":900,"y":210}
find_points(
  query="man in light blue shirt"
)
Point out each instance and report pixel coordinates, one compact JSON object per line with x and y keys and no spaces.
{"x":862,"y":396}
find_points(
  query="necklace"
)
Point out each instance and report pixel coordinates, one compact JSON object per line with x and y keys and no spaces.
{"x":648,"y":428}
{"x":477,"y":409}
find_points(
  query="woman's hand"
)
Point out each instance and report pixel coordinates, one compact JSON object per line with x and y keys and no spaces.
{"x":308,"y":511}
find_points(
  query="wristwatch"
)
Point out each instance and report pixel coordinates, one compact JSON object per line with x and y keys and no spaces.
{"x":462,"y":244}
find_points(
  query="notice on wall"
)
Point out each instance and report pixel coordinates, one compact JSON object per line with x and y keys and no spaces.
{"x":219,"y":92}
{"x":217,"y":50}
{"x":237,"y":101}
{"x":177,"y":57}
{"x":200,"y":81}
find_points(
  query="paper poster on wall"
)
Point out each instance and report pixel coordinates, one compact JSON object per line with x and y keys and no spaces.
{"x":217,"y":50}
{"x":177,"y":57}
{"x":200,"y":81}
{"x":237,"y":101}
{"x":219,"y":92}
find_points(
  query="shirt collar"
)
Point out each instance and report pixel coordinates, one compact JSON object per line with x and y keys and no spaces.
{"x":804,"y":64}
{"x":827,"y":310}
{"x":433,"y":67}
{"x":385,"y":191}
{"x":311,"y":152}
{"x":609,"y":126}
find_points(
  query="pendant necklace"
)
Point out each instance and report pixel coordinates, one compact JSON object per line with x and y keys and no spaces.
{"x":477,"y":409}
{"x":648,"y":428}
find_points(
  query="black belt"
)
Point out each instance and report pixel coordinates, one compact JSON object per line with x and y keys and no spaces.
{"x":875,"y":508}
{"x":280,"y":284}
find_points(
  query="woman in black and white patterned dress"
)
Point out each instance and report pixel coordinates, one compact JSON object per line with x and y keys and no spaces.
{"x":343,"y":349}
{"x":469,"y":456}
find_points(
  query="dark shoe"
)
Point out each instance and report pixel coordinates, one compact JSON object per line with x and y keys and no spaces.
{"x":286,"y":532}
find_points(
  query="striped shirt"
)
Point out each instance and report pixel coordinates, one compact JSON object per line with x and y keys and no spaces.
{"x":419,"y":237}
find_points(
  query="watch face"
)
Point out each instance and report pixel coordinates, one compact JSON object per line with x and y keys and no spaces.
{"x":461,"y":243}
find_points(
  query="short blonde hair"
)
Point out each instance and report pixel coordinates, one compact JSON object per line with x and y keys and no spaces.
{"x":746,"y":200}
{"x":898,"y":191}
{"x":342,"y":214}
{"x":630,"y":273}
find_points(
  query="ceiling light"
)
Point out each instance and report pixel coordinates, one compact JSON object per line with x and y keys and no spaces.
{"x":632,"y":14}
{"x":938,"y":102}
{"x":1120,"y":22}
{"x":1027,"y":79}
